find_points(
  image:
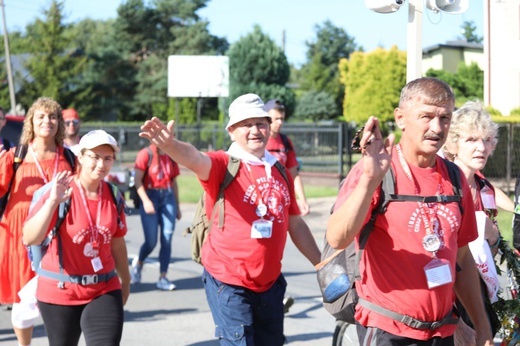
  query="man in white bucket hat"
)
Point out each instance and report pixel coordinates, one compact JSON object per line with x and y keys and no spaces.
{"x":242,"y":259}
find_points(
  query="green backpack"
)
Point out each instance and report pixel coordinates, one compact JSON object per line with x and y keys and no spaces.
{"x":201,"y":224}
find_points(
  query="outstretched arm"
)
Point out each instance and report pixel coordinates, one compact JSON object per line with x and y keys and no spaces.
{"x":181,"y":152}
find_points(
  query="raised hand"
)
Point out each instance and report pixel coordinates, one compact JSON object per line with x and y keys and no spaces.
{"x":61,"y":190}
{"x":158,"y":133}
{"x":377,"y":154}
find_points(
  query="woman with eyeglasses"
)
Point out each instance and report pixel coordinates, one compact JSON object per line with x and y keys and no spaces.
{"x":87,"y":258}
{"x":42,"y":136}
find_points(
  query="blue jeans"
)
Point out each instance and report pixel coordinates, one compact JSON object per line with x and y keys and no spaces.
{"x":164,"y":221}
{"x":243,"y":317}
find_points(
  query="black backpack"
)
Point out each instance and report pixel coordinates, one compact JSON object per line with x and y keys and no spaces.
{"x":19,"y":156}
{"x":343,"y":308}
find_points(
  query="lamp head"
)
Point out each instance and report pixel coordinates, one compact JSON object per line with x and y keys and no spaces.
{"x":384,"y":6}
{"x":448,"y":6}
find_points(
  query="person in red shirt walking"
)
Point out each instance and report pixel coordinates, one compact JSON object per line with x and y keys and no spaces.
{"x":88,"y":261}
{"x":242,"y":259}
{"x":417,"y":257}
{"x":281,"y":146}
{"x":156,"y":183}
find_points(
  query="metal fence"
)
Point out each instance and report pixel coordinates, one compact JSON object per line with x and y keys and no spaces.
{"x":322,"y":148}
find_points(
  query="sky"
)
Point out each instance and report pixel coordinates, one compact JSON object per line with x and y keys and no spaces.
{"x":296,"y":19}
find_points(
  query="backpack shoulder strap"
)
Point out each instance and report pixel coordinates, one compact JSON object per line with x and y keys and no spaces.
{"x":231,"y":172}
{"x":282,"y":170}
{"x":6,"y":143}
{"x":455,"y":177}
{"x":287,"y":145}
{"x":118,"y":199}
{"x":150,"y":157}
{"x":70,"y":157}
{"x":19,"y":155}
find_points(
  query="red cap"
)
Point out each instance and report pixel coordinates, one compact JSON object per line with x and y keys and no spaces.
{"x":70,"y":114}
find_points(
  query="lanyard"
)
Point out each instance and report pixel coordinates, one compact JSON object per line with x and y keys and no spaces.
{"x":93,"y":227}
{"x":42,"y":174}
{"x":434,"y":220}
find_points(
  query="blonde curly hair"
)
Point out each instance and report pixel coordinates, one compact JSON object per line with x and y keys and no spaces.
{"x":46,"y":104}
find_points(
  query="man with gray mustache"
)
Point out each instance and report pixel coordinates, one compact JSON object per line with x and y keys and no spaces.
{"x":416,"y":259}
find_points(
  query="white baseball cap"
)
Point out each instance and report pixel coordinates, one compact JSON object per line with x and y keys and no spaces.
{"x":244,"y":107}
{"x":97,"y":138}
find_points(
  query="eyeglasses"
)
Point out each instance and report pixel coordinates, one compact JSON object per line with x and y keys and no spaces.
{"x":73,"y":122}
{"x":106,"y":160}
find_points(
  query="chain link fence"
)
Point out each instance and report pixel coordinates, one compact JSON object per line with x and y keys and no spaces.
{"x":323,"y":149}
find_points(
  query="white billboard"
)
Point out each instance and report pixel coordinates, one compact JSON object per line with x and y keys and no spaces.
{"x":198,"y":76}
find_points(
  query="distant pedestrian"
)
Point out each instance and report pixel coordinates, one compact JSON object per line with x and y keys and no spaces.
{"x":281,"y":146}
{"x":156,"y":183}
{"x":72,"y":127}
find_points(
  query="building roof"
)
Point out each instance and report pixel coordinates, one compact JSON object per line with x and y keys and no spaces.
{"x":458,"y":44}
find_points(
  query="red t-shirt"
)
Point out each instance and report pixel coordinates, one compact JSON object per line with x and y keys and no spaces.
{"x":157,"y":176}
{"x":286,"y":157}
{"x":230,"y":254}
{"x":75,"y":235}
{"x":392,"y":268}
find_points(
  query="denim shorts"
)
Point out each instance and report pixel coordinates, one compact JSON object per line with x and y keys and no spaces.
{"x":243,"y":317}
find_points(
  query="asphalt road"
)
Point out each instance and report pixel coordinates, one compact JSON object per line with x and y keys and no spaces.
{"x":182,"y":317}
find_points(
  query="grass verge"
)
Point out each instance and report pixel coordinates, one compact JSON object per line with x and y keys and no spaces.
{"x":190,"y":189}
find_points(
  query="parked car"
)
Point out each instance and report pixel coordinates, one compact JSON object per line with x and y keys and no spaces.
{"x":13,"y":127}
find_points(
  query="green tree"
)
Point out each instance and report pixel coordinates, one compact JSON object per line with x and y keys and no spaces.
{"x":146,"y":34}
{"x":373,"y":82}
{"x":468,"y":32}
{"x":257,"y":65}
{"x":467,"y":83}
{"x":316,"y":105}
{"x":53,"y":69}
{"x":321,"y":73}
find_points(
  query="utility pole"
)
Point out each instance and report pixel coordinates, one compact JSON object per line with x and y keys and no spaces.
{"x":283,"y":40}
{"x":8,"y":63}
{"x":414,"y":40}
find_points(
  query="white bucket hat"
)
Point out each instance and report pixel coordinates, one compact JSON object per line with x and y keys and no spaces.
{"x":244,"y":107}
{"x":97,"y":138}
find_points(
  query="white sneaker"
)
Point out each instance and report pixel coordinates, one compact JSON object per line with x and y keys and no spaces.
{"x":165,"y":285}
{"x":135,"y":272}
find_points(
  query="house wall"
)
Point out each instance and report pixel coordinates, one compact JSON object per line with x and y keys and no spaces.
{"x":448,"y":58}
{"x":503,"y":48}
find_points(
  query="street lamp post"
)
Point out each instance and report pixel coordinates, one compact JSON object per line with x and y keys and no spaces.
{"x":8,"y":63}
{"x":414,"y":40}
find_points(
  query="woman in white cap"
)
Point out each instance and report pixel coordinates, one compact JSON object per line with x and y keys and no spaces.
{"x":89,"y":281}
